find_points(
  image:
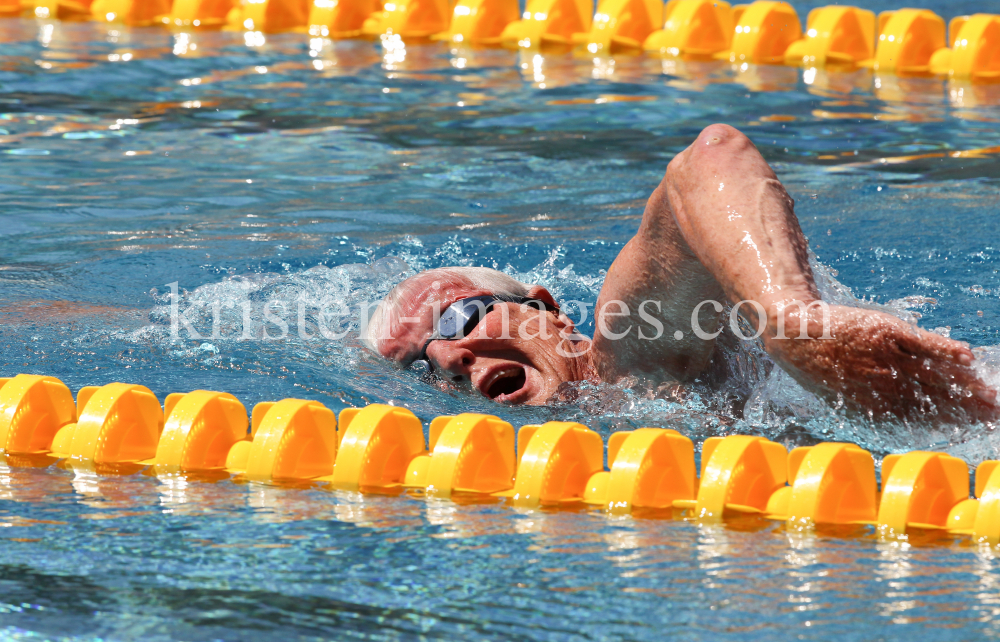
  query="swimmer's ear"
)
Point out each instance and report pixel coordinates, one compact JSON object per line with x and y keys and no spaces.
{"x":540,"y":293}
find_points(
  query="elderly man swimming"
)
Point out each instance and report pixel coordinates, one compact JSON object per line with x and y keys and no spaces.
{"x":718,"y":227}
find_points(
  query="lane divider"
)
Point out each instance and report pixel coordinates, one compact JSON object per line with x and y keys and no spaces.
{"x":201,"y":430}
{"x":693,"y":28}
{"x":479,"y":22}
{"x":764,"y":30}
{"x":120,"y":428}
{"x":549,"y":22}
{"x":621,"y":25}
{"x":921,"y":489}
{"x":649,"y":468}
{"x":829,"y":483}
{"x":195,"y":14}
{"x":409,"y":19}
{"x":835,"y":35}
{"x":468,"y":453}
{"x":907,"y":40}
{"x":379,"y":442}
{"x":903,"y":41}
{"x":975,"y":48}
{"x":268,"y":15}
{"x":119,"y":423}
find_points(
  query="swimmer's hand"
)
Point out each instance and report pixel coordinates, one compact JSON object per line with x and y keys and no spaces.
{"x":878,"y":363}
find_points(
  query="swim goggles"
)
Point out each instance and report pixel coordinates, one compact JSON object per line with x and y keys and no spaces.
{"x":461,"y":317}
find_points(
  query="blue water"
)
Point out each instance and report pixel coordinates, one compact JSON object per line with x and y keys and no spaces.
{"x":320,"y":174}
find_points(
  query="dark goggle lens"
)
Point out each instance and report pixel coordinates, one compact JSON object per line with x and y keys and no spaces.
{"x":463,"y":317}
{"x":460,"y":319}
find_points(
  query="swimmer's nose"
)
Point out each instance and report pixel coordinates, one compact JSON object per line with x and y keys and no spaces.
{"x":454,"y":361}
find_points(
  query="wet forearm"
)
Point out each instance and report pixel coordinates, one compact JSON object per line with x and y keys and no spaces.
{"x":742,"y":227}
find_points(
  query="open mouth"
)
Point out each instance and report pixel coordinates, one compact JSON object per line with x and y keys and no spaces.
{"x":505,"y":382}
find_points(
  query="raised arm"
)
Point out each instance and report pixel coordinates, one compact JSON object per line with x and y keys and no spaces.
{"x":719,"y":226}
{"x":738,"y":221}
{"x":659,"y":280}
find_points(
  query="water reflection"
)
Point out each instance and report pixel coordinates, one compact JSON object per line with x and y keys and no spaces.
{"x":766,"y":77}
{"x":910,"y":93}
{"x":894,"y":568}
{"x":713,"y":550}
{"x":117,"y":487}
{"x":569,"y":530}
{"x":254,"y":39}
{"x":46,"y":30}
{"x":473,"y":517}
{"x":67,"y":46}
{"x":197,"y":493}
{"x":698,"y":73}
{"x":275,"y":504}
{"x":545,"y":70}
{"x":474,"y":59}
{"x":184,"y":44}
{"x":987,"y":589}
{"x":840,"y":83}
{"x":604,"y":68}
{"x":968,"y":97}
{"x":412,"y":60}
{"x":649,"y":552}
{"x":804,"y":583}
{"x":376,"y":511}
{"x":25,"y":478}
{"x":393,"y":51}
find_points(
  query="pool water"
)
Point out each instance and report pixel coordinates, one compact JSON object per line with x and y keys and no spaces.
{"x":256,"y":176}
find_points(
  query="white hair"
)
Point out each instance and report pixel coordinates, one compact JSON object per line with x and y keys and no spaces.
{"x":493,"y":281}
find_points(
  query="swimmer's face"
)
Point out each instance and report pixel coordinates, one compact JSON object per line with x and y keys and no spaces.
{"x":521,"y":365}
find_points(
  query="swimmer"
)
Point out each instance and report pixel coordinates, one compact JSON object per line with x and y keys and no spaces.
{"x":719,"y":227}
